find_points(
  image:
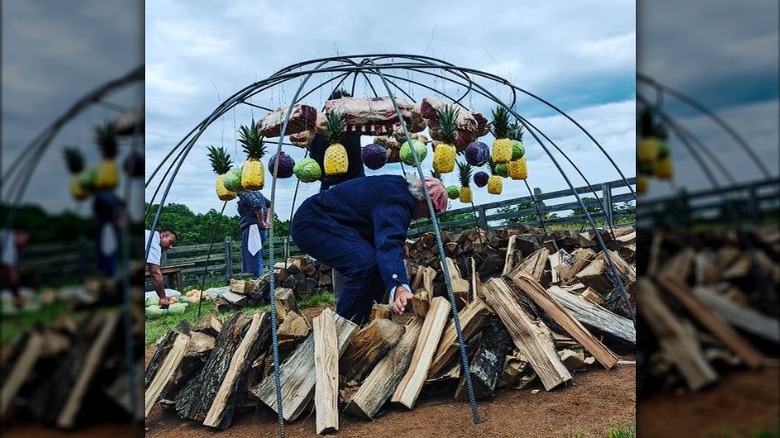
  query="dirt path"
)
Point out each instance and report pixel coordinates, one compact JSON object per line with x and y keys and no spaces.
{"x":599,"y":399}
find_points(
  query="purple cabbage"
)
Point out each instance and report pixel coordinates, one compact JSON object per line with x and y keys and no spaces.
{"x":374,"y":156}
{"x":286,"y":164}
{"x":481,"y":179}
{"x":477,"y":153}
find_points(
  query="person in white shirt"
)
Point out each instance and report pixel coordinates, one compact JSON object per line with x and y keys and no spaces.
{"x":161,"y":241}
{"x":10,"y":243}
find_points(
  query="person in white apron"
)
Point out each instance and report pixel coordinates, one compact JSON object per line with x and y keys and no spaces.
{"x":254,"y":221}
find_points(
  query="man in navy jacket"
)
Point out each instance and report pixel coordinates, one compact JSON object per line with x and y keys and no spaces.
{"x":359,"y":228}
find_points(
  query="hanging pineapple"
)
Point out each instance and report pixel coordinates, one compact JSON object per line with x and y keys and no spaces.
{"x":641,"y":183}
{"x":502,"y":145}
{"x":252,"y":172}
{"x":647,"y":149}
{"x":495,"y":182}
{"x":335,"y":161}
{"x":517,"y":168}
{"x":663,"y":165}
{"x":221,"y":163}
{"x":75,"y":162}
{"x":465,"y":178}
{"x":108,"y":169}
{"x":444,"y":155}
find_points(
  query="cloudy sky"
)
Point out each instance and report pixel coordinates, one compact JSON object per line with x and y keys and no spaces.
{"x":54,"y":53}
{"x":723,"y":54}
{"x":579,"y":56}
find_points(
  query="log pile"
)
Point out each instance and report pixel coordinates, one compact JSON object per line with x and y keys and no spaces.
{"x":708,"y":305}
{"x":522,"y":329}
{"x":73,"y":371}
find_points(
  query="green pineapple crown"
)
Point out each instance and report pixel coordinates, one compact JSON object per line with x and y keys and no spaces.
{"x":516,"y":131}
{"x":500,"y":128}
{"x":220,"y":160}
{"x":660,"y":131}
{"x":251,"y":141}
{"x":464,"y":173}
{"x":447,"y":117}
{"x":105,"y":137}
{"x":334,"y":126}
{"x":74,"y":159}
{"x":436,"y":174}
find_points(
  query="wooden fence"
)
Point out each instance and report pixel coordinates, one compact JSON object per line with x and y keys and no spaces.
{"x":222,"y":260}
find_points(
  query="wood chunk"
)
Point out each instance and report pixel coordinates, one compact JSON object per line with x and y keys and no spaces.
{"x":654,"y":261}
{"x":326,"y":366}
{"x":242,"y":287}
{"x":67,"y":416}
{"x":509,"y":258}
{"x":471,"y":320}
{"x":531,"y":287}
{"x":285,"y":303}
{"x":164,"y":364}
{"x":381,"y":311}
{"x":555,"y":260}
{"x":20,"y":370}
{"x":740,"y":316}
{"x":294,"y":327}
{"x":679,"y":266}
{"x":591,"y":295}
{"x":534,"y":264}
{"x":713,"y":323}
{"x":409,"y":389}
{"x":208,"y":324}
{"x":488,"y":362}
{"x":460,"y":287}
{"x":594,"y":316}
{"x":383,"y":380}
{"x":297,"y":374}
{"x":200,"y":345}
{"x":367,"y":347}
{"x":683,"y":349}
{"x":531,"y":337}
{"x":421,"y":301}
{"x":235,"y":299}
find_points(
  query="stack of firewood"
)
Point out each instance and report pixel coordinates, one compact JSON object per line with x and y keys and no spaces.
{"x":73,"y":371}
{"x":526,"y":317}
{"x":708,"y":304}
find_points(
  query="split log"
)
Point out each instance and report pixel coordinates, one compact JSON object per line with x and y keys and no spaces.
{"x":421,"y":301}
{"x":534,"y":264}
{"x":119,"y":391}
{"x":509,"y":258}
{"x":488,"y":362}
{"x":326,"y":366}
{"x":381,"y":311}
{"x":591,"y":295}
{"x":409,"y":389}
{"x":713,"y":323}
{"x":531,"y":287}
{"x":164,"y":364}
{"x":67,"y":416}
{"x":383,"y":380}
{"x":293,"y":330}
{"x":253,"y":341}
{"x":195,"y":399}
{"x":208,"y":324}
{"x":297,"y":374}
{"x":740,"y":316}
{"x":22,"y":365}
{"x":679,"y":266}
{"x":594,"y":316}
{"x":242,"y":287}
{"x":367,"y":347}
{"x":471,"y":321}
{"x":285,"y":303}
{"x":460,"y":287}
{"x":682,"y":348}
{"x":531,"y":337}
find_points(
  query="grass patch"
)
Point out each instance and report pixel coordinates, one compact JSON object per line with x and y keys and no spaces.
{"x":628,"y":431}
{"x":12,"y":325}
{"x":317,"y":300}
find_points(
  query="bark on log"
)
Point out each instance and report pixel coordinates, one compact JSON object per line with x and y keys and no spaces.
{"x":164,"y":364}
{"x":740,"y":316}
{"x":488,"y":362}
{"x":594,"y":316}
{"x":367,"y":347}
{"x":471,"y":321}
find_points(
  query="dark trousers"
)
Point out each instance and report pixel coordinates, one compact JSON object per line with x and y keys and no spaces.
{"x":344,"y":250}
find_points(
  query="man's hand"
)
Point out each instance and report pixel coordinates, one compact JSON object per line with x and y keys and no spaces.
{"x":163,"y":302}
{"x":402,"y":299}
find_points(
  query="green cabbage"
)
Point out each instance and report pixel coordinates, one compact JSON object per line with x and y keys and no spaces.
{"x":518,"y":150}
{"x":453,"y":192}
{"x":232,"y":180}
{"x":307,"y":170}
{"x":405,"y":154}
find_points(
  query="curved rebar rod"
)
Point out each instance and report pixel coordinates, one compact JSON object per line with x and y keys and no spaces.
{"x":208,"y":257}
{"x":720,"y":122}
{"x":536,"y":204}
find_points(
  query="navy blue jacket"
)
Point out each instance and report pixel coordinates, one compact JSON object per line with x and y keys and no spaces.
{"x":379,"y":208}
{"x":351,"y":142}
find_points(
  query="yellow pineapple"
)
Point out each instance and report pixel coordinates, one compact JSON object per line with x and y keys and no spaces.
{"x":495,"y":182}
{"x":663,"y":168}
{"x":444,"y":155}
{"x":335,"y":161}
{"x":75,"y":162}
{"x":108,"y":169}
{"x":641,"y":183}
{"x":253,"y":172}
{"x":220,"y":163}
{"x":502,"y":145}
{"x":465,"y":178}
{"x":518,"y":169}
